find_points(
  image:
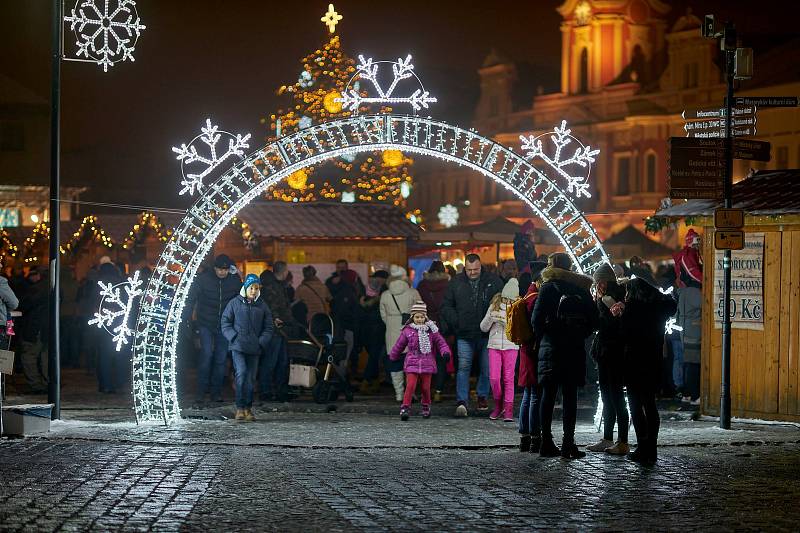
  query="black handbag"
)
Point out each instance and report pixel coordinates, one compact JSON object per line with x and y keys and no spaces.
{"x":404,"y":317}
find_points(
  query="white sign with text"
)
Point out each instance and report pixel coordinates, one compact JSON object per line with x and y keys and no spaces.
{"x":747,"y":284}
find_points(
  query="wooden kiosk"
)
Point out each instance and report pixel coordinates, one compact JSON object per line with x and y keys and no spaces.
{"x":765,"y":345}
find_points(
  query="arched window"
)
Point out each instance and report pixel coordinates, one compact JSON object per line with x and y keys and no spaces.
{"x":583,"y":81}
{"x":623,"y":176}
{"x":650,"y":173}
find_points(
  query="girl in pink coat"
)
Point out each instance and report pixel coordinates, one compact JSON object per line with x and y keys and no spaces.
{"x":422,"y":339}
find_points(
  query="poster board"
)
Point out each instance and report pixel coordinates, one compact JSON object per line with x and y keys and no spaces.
{"x":747,"y":284}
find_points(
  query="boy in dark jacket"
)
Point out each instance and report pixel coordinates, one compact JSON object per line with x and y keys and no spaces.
{"x":247,"y":325}
{"x":563,"y":316}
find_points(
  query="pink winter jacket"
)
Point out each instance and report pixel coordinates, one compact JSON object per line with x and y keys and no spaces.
{"x":416,"y":361}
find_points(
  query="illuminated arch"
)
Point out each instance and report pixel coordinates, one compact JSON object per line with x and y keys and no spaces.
{"x":161,"y":312}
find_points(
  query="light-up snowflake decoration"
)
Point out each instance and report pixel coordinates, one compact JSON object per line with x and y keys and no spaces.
{"x":368,"y":70}
{"x":561,"y":137}
{"x":189,"y":155}
{"x":115,"y":308}
{"x":105,"y":35}
{"x":448,"y":215}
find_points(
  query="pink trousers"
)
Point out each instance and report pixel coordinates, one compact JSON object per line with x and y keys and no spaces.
{"x":501,"y":374}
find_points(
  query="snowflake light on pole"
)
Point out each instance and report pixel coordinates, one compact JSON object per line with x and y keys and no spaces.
{"x":582,"y":157}
{"x":369,"y":70}
{"x":105,"y":35}
{"x":115,"y":308}
{"x":448,"y":215}
{"x":188,"y":154}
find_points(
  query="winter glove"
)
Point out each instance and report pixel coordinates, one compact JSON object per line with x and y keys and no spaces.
{"x":445,"y":357}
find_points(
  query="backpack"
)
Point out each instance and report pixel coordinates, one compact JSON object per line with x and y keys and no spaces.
{"x":518,"y":324}
{"x":572,"y":314}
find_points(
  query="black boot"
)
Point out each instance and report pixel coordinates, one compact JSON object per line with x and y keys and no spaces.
{"x":570,"y":451}
{"x":536,"y":444}
{"x":525,"y":443}
{"x":548,"y":448}
{"x":650,"y":453}
{"x":638,"y":455}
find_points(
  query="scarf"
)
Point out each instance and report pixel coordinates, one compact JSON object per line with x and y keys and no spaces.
{"x":422,"y":335}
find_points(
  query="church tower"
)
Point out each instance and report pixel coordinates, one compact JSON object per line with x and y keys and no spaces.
{"x":600,"y":38}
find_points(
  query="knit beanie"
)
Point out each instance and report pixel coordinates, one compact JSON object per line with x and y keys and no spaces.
{"x":605,"y":273}
{"x":511,"y":289}
{"x":560,"y":260}
{"x":250,"y":280}
{"x":419,"y":307}
{"x":397,"y":272}
{"x":691,"y":236}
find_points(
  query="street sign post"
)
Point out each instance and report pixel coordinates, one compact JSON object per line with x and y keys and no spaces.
{"x":717,"y":113}
{"x":766,"y":101}
{"x":750,"y":149}
{"x":726,"y":218}
{"x":729,"y":240}
{"x":717,"y":132}
{"x":695,"y":168}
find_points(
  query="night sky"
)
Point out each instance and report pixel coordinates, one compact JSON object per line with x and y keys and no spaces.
{"x":224,"y":60}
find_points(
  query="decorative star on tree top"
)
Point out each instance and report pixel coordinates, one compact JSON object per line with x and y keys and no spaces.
{"x":331,"y":18}
{"x":561,"y":137}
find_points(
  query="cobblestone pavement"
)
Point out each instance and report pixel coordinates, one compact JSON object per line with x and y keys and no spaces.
{"x":103,"y":486}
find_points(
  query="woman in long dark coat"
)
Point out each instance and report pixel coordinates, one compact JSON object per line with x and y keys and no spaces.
{"x":644,"y":315}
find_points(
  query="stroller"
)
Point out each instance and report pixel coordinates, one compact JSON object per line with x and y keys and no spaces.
{"x":328,"y":356}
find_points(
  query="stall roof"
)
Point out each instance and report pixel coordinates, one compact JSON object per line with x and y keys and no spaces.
{"x":766,"y":192}
{"x":327,"y":220}
{"x":498,"y":229}
{"x":630,"y":241}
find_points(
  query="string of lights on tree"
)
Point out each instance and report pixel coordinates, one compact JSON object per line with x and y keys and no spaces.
{"x":319,"y":94}
{"x":7,"y":248}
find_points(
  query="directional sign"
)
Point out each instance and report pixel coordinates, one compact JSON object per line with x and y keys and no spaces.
{"x":720,"y":132}
{"x":725,"y":218}
{"x":766,"y":101}
{"x":719,"y":112}
{"x":728,"y":240}
{"x":696,"y":194}
{"x":751,"y":149}
{"x":717,"y":123}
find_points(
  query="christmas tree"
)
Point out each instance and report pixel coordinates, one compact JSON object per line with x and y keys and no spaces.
{"x":381,"y":177}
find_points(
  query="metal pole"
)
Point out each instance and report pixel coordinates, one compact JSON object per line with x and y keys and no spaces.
{"x":54,"y":355}
{"x":729,"y":40}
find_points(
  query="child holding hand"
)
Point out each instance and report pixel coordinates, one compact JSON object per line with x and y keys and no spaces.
{"x":424,"y":342}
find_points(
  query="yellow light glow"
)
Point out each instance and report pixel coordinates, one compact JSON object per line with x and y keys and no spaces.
{"x":392,"y":158}
{"x":298,"y":179}
{"x":330,"y":103}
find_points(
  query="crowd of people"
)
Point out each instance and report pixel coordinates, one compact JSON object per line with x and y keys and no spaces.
{"x":455,"y":324}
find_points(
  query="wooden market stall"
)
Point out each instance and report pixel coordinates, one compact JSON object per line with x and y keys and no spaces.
{"x":765,"y":346}
{"x":318,"y":233}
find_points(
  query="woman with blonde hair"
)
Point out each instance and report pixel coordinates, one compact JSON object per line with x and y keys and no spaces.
{"x":502,"y":352}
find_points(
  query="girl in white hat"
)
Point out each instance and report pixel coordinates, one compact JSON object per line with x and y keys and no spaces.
{"x":502,"y":352}
{"x":423,"y":340}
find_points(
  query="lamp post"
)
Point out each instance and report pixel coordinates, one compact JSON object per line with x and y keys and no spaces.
{"x":54,"y":350}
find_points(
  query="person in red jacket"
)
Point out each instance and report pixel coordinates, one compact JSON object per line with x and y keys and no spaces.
{"x":529,"y":424}
{"x":689,"y":262}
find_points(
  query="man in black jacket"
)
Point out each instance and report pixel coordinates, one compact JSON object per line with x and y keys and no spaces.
{"x":33,"y":330}
{"x":563,"y":316}
{"x":465,"y":303}
{"x":210,"y":293}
